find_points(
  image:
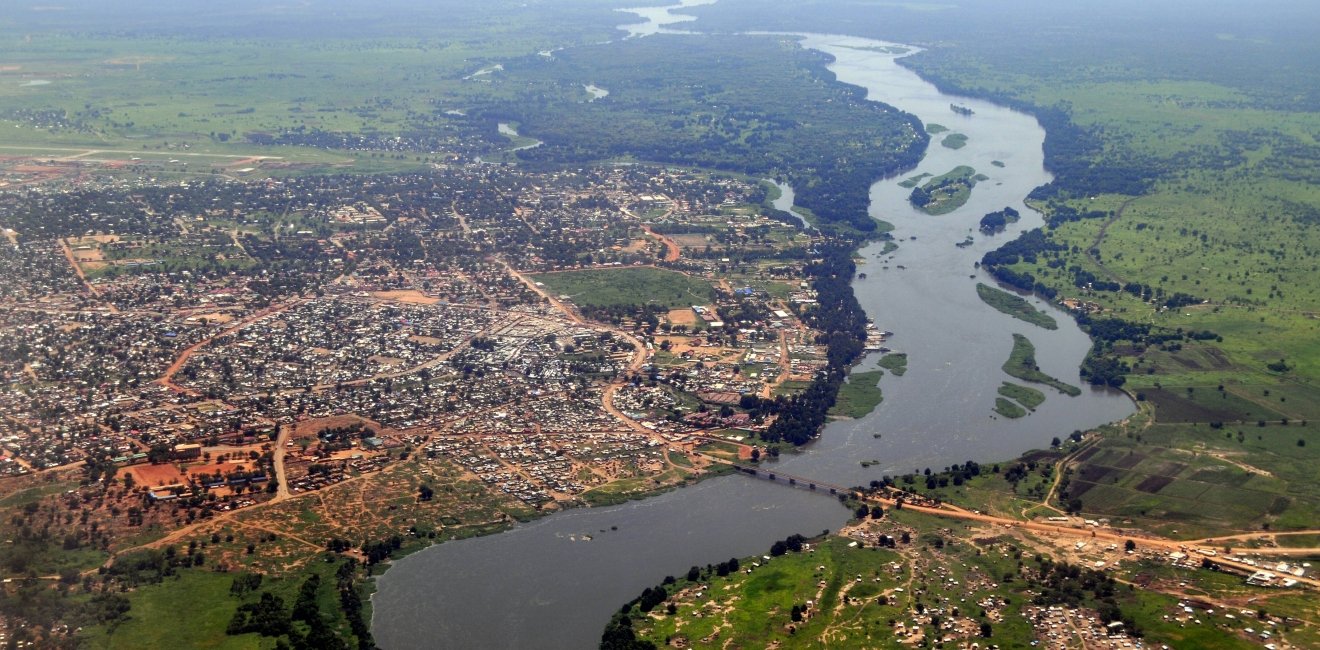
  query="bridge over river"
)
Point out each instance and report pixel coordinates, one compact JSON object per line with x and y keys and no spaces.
{"x":793,"y":480}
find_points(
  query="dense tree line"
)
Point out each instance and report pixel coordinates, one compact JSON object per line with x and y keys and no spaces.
{"x":842,"y":325}
{"x":377,"y":552}
{"x":1026,"y":248}
{"x":304,"y":626}
{"x":350,"y":602}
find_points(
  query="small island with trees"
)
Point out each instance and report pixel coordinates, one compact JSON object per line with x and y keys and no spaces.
{"x":995,"y":222}
{"x":954,"y":141}
{"x":947,"y":192}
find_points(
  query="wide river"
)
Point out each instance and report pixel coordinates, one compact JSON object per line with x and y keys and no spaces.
{"x":555,"y":582}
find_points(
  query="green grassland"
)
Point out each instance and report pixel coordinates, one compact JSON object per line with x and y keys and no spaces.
{"x":859,"y":395}
{"x":1022,"y":365}
{"x":35,"y":493}
{"x":1015,"y":306}
{"x":629,"y":489}
{"x":182,"y":612}
{"x":173,"y":87}
{"x":204,"y":96}
{"x":628,"y":286}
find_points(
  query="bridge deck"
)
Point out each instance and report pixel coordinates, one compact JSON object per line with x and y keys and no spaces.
{"x":792,"y":479}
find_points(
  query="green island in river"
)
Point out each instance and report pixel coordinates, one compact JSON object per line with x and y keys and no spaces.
{"x":1016,"y":400}
{"x":1024,"y":395}
{"x":947,"y":192}
{"x":1015,"y":306}
{"x":1022,"y":364}
{"x":954,"y":141}
{"x":859,"y":395}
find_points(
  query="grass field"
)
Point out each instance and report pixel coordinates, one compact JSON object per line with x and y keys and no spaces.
{"x":199,"y":91}
{"x":628,"y":286}
{"x":628,"y":489}
{"x":1022,"y":365}
{"x":186,"y":611}
{"x":1015,"y":306}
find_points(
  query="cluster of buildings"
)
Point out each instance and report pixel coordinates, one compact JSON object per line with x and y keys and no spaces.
{"x":393,"y":298}
{"x":1278,"y":574}
{"x":540,"y":468}
{"x":330,"y":341}
{"x":1062,"y":628}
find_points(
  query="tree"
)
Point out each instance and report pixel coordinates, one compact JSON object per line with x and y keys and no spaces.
{"x":1130,"y":546}
{"x":619,"y":635}
{"x":985,"y":629}
{"x":266,"y":617}
{"x":159,"y":453}
{"x":305,"y":608}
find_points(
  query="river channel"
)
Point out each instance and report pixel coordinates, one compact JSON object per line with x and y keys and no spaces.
{"x":555,"y":582}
